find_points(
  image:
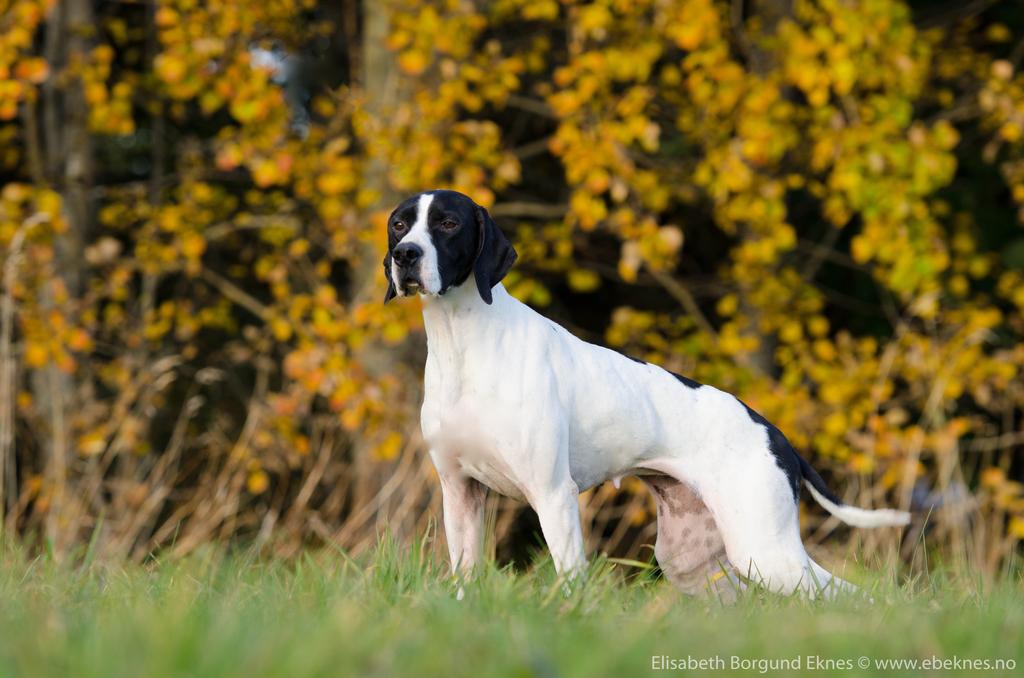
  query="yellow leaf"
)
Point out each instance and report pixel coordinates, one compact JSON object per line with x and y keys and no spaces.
{"x":1002,"y":69}
{"x":79,"y":340}
{"x":413,"y":62}
{"x":333,"y":183}
{"x":791,"y":331}
{"x":92,"y":443}
{"x":992,"y":477}
{"x":727,"y":305}
{"x":394,"y":332}
{"x":1010,"y":131}
{"x":688,"y":35}
{"x":34,"y":70}
{"x":389,"y":447}
{"x":258,"y":481}
{"x":351,"y":418}
{"x":835,"y":424}
{"x":281,"y":328}
{"x":265,"y":172}
{"x":825,"y":350}
{"x":998,"y":33}
{"x":36,"y":354}
{"x":583,"y":280}
{"x":594,"y":17}
{"x":193,"y":245}
{"x":170,"y":68}
{"x":165,"y":17}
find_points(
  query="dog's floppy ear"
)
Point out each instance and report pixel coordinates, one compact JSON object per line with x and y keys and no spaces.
{"x":494,"y":255}
{"x":390,"y":294}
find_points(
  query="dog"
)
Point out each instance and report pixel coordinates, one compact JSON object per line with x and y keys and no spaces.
{"x":515,"y":403}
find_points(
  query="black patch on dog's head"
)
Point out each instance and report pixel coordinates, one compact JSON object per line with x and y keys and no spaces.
{"x":391,"y":292}
{"x":465,"y":237}
{"x":494,"y":257}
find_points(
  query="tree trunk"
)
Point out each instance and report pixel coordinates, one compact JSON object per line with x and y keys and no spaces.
{"x":78,"y":168}
{"x":385,"y":89}
{"x":769,"y":13}
{"x":70,"y":30}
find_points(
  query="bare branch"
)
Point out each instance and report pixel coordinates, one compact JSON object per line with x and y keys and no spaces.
{"x":235,"y":293}
{"x":819,"y":252}
{"x":955,"y":13}
{"x":532,"y":148}
{"x":529,"y":210}
{"x":685,"y":299}
{"x":995,"y":442}
{"x":535,"y":106}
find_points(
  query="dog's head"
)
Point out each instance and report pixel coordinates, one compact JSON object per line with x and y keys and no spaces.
{"x":437,"y":239}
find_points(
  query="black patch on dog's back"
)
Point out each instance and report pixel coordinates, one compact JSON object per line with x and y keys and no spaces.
{"x":785,"y":456}
{"x":686,"y":381}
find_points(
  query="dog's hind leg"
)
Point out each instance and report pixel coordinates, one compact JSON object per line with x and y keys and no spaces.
{"x":829,"y":583}
{"x":689,"y":547}
{"x":756,"y":512}
{"x":756,"y":515}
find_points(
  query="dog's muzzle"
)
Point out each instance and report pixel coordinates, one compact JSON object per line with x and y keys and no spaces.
{"x":406,"y":257}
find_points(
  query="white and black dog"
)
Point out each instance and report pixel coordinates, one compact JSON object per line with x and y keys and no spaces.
{"x":515,"y":403}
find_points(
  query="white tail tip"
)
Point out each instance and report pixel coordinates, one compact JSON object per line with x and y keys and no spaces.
{"x":858,"y":517}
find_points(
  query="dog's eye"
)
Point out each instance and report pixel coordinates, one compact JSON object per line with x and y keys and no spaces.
{"x":449,"y":224}
{"x":398,"y":226}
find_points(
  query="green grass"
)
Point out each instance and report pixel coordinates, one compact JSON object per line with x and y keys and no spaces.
{"x":394,"y":613}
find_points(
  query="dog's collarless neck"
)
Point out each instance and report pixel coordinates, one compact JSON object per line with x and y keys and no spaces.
{"x":465,"y":299}
{"x":455,"y":320}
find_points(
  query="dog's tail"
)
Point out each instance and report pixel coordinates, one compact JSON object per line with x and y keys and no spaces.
{"x":851,"y":515}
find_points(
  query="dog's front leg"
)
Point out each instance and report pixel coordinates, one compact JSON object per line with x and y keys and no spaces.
{"x":559,"y":513}
{"x":463,"y":499}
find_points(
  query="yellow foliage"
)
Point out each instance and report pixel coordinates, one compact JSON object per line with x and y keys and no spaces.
{"x":389,"y":447}
{"x":258,"y":481}
{"x":778,"y":204}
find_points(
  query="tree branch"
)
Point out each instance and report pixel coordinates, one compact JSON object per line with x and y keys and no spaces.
{"x":535,"y":106}
{"x":235,"y":293}
{"x":534,"y":210}
{"x":681,"y":294}
{"x":957,"y":12}
{"x":995,"y":442}
{"x":532,"y":148}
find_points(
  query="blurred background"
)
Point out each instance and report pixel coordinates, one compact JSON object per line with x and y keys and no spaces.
{"x":814,"y":204}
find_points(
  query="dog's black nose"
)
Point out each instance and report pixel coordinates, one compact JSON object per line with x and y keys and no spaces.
{"x":407,"y":254}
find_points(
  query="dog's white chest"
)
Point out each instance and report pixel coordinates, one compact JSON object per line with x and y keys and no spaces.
{"x":494,"y":473}
{"x":471,"y":440}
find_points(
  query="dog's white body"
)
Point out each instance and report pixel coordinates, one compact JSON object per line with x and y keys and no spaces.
{"x":516,"y":403}
{"x":519,"y":404}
